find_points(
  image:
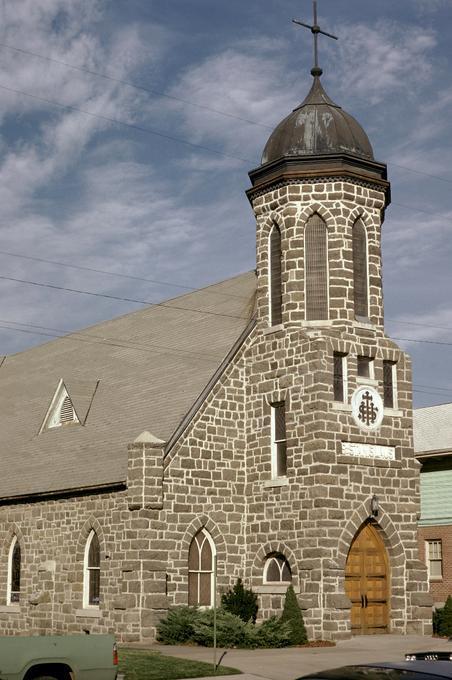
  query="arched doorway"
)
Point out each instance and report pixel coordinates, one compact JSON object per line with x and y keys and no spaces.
{"x":367,"y":583}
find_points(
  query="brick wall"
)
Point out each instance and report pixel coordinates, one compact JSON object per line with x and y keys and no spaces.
{"x":442,"y":588}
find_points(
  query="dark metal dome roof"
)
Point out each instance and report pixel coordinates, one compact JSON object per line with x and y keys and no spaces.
{"x":317,"y":127}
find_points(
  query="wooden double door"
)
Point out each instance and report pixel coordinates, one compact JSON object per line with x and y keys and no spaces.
{"x":367,"y":583}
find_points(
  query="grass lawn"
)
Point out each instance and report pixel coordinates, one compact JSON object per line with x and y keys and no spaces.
{"x":140,"y":664}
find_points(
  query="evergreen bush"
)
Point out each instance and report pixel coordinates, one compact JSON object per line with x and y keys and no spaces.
{"x":231,"y":630}
{"x":189,"y":624}
{"x":437,"y":620}
{"x":293,"y":616}
{"x":241,"y":601}
{"x":444,"y":619}
{"x":177,"y":628}
{"x":271,"y":633}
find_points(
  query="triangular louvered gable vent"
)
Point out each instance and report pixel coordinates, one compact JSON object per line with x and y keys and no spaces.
{"x":61,"y":410}
{"x":67,"y":411}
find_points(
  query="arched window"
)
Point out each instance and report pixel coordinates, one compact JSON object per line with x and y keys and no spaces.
{"x":360,"y":285}
{"x":14,"y":562}
{"x":91,"y":580}
{"x":316,"y":269}
{"x":201,"y":558}
{"x":277,"y":569}
{"x":275,"y":284}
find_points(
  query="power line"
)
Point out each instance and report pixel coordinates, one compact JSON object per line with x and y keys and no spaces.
{"x":117,"y":297}
{"x":65,"y":334}
{"x":109,"y":342}
{"x":110,"y":273}
{"x":161,"y":134}
{"x":150,"y":348}
{"x":433,"y":387}
{"x":427,"y":342}
{"x":435,"y":394}
{"x":116,"y":121}
{"x":162,"y":304}
{"x":420,"y":172}
{"x":135,"y":86}
{"x":426,"y":212}
{"x":422,"y":325}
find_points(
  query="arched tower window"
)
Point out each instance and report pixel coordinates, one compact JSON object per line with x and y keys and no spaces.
{"x":277,"y":569}
{"x":200,"y":570}
{"x":316,"y":269}
{"x":14,"y":564}
{"x":91,"y":580}
{"x":275,"y":283}
{"x":360,"y":285}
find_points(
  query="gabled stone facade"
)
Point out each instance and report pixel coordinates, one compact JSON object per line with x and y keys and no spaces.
{"x":215,"y":473}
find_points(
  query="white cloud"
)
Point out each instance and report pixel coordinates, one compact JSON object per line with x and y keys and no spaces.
{"x":242,"y":83}
{"x":382,"y":60}
{"x":424,"y":7}
{"x":436,"y":324}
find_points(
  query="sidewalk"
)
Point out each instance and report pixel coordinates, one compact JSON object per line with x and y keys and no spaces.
{"x":290,"y":663}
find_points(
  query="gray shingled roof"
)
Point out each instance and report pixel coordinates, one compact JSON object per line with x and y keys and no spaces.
{"x":433,"y":428}
{"x":151,"y":365}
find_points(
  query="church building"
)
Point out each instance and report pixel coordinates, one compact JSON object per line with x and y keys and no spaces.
{"x":262,"y":424}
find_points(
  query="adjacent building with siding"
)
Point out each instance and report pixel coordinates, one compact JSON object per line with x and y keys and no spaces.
{"x":433,"y":447}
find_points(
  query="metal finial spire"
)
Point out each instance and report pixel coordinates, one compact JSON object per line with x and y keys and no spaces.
{"x":315,"y":30}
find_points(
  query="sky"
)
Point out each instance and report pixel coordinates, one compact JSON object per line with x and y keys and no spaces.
{"x":128,"y":128}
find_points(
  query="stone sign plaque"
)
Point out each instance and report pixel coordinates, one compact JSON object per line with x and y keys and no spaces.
{"x":368,"y":451}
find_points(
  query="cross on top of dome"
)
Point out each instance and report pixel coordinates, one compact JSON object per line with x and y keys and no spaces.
{"x":315,"y":30}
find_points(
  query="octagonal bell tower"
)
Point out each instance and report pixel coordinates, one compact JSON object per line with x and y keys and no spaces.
{"x":318,"y":167}
{"x":333,"y":482}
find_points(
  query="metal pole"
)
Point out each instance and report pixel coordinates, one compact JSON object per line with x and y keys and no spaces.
{"x":215,"y":615}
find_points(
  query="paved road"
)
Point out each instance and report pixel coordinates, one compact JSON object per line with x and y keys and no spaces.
{"x":287,"y":664}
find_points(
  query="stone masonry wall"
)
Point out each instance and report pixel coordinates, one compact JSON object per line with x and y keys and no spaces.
{"x":218,"y":475}
{"x":315,"y":512}
{"x":205,"y":485}
{"x":53,"y":535}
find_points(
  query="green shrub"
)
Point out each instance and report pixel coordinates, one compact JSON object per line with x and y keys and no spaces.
{"x":241,"y":602}
{"x":177,"y":628}
{"x":188,"y":624}
{"x":272,"y":633}
{"x":444,"y":619}
{"x":231,"y":630}
{"x":293,"y":616}
{"x":437,"y":620}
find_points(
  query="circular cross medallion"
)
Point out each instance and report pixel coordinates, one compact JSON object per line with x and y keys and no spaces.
{"x":367,"y":408}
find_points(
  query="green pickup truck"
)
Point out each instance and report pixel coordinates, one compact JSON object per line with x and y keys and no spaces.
{"x":59,"y":657}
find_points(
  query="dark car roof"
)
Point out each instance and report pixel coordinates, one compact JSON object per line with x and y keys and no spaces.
{"x":408,"y":670}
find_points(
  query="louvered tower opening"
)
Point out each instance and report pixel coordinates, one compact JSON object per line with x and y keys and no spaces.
{"x":275,"y":277}
{"x":360,"y":286}
{"x":316,"y":263}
